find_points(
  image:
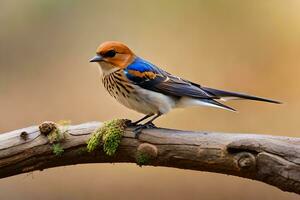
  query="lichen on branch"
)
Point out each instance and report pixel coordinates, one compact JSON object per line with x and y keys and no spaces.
{"x":109,"y":135}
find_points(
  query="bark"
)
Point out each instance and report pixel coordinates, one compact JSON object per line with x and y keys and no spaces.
{"x":274,"y":160}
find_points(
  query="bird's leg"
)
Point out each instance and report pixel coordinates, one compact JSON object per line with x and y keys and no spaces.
{"x":138,"y":121}
{"x":137,"y":131}
{"x":149,"y":124}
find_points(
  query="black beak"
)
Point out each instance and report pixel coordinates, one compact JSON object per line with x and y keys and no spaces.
{"x":97,"y":58}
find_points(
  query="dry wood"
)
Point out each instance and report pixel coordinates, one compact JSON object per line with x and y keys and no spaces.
{"x":274,"y":160}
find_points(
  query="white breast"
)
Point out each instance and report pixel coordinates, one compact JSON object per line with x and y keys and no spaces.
{"x":139,"y":99}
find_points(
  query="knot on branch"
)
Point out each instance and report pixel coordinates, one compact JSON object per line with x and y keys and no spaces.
{"x":47,"y":127}
{"x":24,"y":135}
{"x":245,"y":161}
{"x":146,"y":153}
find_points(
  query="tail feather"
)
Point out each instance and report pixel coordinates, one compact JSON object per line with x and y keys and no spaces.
{"x":234,"y":95}
{"x":213,"y":103}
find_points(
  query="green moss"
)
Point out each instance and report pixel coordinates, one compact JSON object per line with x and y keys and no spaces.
{"x":142,"y":158}
{"x":110,"y":134}
{"x":94,"y":140}
{"x":57,"y":149}
{"x":55,"y":136}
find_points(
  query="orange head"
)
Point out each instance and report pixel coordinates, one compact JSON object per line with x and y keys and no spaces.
{"x":113,"y":54}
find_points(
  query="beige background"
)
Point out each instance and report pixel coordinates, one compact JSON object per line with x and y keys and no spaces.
{"x":247,"y":46}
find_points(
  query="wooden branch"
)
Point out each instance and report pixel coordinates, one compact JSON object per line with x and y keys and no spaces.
{"x":274,"y":160}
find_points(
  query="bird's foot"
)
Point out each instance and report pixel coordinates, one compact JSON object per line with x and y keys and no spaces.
{"x":138,"y":130}
{"x":149,"y":125}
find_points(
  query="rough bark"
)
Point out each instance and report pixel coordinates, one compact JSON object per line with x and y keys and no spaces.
{"x":274,"y":160}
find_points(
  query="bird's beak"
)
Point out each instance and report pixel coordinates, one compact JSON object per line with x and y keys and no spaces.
{"x":97,"y":58}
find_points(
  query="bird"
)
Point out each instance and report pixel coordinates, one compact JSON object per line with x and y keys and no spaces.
{"x":144,"y":87}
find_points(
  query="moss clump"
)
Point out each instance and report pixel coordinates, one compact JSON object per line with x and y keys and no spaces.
{"x":59,"y":131}
{"x":55,"y":136}
{"x":110,"y":134}
{"x":142,"y":158}
{"x":56,"y":133}
{"x":57,"y":149}
{"x":94,"y":140}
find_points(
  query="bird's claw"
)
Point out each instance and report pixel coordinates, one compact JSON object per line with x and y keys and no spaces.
{"x":150,"y":125}
{"x":138,"y":130}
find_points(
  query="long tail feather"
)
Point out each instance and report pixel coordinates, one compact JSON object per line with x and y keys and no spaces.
{"x":234,"y":95}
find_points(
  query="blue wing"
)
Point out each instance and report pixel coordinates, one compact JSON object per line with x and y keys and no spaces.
{"x":150,"y":77}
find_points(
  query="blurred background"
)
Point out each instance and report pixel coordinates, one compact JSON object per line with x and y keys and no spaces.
{"x":245,"y":46}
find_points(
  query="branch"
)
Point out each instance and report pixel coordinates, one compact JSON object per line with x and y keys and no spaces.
{"x":274,"y":160}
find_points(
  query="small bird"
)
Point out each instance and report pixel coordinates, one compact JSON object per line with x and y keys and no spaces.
{"x":145,"y":88}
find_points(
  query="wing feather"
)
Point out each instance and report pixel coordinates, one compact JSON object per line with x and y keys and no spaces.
{"x":150,"y":77}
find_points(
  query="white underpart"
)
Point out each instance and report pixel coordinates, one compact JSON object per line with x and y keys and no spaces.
{"x":187,"y":102}
{"x":152,"y":102}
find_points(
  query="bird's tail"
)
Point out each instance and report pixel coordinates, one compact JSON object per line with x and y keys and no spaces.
{"x":226,"y":95}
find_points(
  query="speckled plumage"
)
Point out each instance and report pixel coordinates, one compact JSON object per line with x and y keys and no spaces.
{"x":145,"y":88}
{"x":135,"y":97}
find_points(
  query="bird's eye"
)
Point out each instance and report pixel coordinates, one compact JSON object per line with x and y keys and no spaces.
{"x":110,"y":53}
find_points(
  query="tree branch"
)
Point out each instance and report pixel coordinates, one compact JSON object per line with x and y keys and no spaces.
{"x":274,"y":160}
